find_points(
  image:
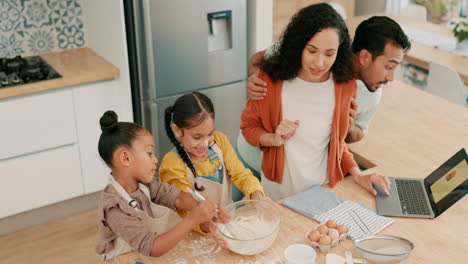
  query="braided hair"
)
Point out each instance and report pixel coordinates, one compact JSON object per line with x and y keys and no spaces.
{"x":115,"y":134}
{"x":188,"y":111}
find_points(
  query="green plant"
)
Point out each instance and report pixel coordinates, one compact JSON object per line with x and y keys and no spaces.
{"x":460,"y":29}
{"x":439,"y":11}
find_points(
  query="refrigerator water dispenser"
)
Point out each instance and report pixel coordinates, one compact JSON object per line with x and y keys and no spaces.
{"x":219,"y":31}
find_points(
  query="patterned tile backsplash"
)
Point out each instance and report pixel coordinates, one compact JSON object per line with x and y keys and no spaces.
{"x":30,"y":27}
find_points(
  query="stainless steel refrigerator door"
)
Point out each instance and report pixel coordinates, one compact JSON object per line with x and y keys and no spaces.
{"x":228,"y":100}
{"x":177,"y":44}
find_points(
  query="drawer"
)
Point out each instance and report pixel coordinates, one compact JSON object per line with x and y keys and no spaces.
{"x":36,"y":122}
{"x":40,"y":179}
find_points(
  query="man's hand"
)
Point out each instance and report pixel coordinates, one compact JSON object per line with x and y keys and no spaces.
{"x":355,"y":133}
{"x":352,"y":111}
{"x":256,"y":87}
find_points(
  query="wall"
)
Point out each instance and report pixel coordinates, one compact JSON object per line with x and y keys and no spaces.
{"x":260,"y":25}
{"x":365,"y":7}
{"x":30,"y":27}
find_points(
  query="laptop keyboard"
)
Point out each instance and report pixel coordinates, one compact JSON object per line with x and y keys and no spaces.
{"x":411,"y":197}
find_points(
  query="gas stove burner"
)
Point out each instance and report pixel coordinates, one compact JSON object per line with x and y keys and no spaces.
{"x":18,"y":70}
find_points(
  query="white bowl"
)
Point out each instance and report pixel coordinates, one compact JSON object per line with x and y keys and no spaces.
{"x":299,"y":254}
{"x":384,"y":249}
{"x":253,"y":227}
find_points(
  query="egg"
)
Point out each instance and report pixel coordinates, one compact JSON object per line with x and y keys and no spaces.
{"x":323,"y":229}
{"x":333,"y":234}
{"x":325,"y":240}
{"x":314,"y":235}
{"x":331,"y":224}
{"x":342,"y":229}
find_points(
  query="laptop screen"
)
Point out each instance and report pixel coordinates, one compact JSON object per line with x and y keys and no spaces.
{"x":448,"y":183}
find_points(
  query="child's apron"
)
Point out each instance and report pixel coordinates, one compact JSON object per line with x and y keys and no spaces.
{"x":217,"y":185}
{"x":158,"y":224}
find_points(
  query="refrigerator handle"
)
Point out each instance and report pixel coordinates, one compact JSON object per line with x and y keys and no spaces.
{"x":153,"y":108}
{"x":149,"y":50}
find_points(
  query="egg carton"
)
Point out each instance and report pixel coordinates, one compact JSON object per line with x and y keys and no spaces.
{"x":322,"y":247}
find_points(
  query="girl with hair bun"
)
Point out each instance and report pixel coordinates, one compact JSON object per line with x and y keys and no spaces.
{"x":203,"y":159}
{"x":134,"y":206}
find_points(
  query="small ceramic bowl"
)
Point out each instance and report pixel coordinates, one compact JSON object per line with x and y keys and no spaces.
{"x":299,"y":254}
{"x":321,"y":247}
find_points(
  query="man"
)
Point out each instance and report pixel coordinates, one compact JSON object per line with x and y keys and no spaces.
{"x":378,"y":47}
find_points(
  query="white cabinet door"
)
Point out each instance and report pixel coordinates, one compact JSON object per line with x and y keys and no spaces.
{"x":36,"y":122}
{"x":40,"y":179}
{"x":91,"y":101}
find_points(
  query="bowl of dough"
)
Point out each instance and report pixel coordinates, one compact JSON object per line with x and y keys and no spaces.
{"x":253,"y":227}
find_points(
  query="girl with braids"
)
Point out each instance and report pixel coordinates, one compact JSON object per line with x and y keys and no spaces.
{"x":203,"y":158}
{"x":134,"y":207}
{"x":302,"y":122}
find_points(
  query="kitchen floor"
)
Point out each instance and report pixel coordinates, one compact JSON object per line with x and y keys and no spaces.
{"x":68,"y":240}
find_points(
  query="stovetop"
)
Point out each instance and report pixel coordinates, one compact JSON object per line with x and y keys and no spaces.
{"x":19,"y":70}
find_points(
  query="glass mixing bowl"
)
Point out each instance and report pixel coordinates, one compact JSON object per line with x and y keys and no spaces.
{"x":384,"y":249}
{"x":253,"y":227}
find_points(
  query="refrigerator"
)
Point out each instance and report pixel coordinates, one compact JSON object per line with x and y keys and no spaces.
{"x":179,"y":46}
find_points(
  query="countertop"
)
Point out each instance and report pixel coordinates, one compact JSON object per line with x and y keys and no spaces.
{"x":77,"y":66}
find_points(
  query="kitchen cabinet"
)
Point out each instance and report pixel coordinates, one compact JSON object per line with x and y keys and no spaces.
{"x":39,"y":179}
{"x":91,"y":101}
{"x":49,"y":151}
{"x":36,"y":122}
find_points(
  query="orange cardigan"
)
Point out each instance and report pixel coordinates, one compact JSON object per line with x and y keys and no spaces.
{"x":264,"y":116}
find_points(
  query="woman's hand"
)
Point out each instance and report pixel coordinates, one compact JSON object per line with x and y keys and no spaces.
{"x":286,"y":129}
{"x":366,"y":181}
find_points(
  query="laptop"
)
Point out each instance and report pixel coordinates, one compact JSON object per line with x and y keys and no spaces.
{"x":429,"y":197}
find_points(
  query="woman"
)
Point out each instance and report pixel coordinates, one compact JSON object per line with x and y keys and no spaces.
{"x":301,"y":124}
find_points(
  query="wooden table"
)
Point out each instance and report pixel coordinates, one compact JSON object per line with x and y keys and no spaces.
{"x":421,"y":55}
{"x":412,"y":134}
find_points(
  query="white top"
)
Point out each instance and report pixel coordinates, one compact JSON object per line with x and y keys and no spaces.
{"x":306,"y":153}
{"x":367,"y":101}
{"x":367,"y":105}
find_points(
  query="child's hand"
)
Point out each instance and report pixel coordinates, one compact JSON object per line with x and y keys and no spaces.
{"x":264,"y":208}
{"x":223,"y":215}
{"x":217,"y":236}
{"x":204,"y":212}
{"x":257,"y":195}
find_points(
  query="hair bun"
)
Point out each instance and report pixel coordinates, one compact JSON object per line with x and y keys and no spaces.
{"x":108,"y":121}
